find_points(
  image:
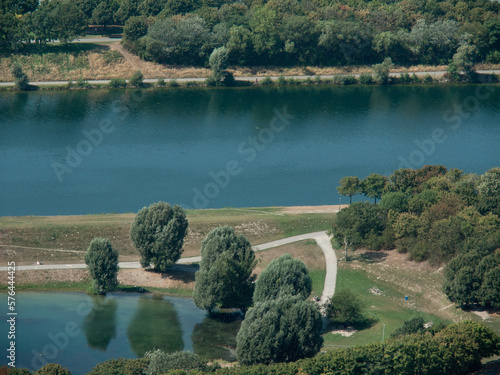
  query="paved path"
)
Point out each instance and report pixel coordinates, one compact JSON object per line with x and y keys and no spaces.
{"x":321,"y":239}
{"x":248,"y":79}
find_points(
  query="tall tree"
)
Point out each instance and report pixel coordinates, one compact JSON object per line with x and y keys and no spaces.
{"x":225,"y":277}
{"x":373,"y":186}
{"x":158,"y":233}
{"x":283,"y":276}
{"x":282,"y":330}
{"x":349,"y":186}
{"x":102,"y":263}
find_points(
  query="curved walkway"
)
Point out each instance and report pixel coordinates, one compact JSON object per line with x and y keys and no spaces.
{"x":321,"y":239}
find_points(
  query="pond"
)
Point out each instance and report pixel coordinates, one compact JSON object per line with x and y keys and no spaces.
{"x":101,"y":151}
{"x":78,"y":331}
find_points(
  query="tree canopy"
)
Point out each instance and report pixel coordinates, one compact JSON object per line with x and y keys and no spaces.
{"x":225,"y":277}
{"x":281,"y":330}
{"x":158,"y":233}
{"x":283,"y":276}
{"x":102,"y":263}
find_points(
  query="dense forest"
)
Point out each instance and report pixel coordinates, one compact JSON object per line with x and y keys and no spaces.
{"x":432,"y":213}
{"x":275,"y":32}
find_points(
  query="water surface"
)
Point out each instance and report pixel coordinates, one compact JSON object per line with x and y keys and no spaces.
{"x":230,"y":147}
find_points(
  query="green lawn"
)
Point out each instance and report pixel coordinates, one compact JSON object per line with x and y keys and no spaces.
{"x":387,"y":311}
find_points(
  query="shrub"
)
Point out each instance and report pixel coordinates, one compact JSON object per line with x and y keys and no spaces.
{"x":161,"y":82}
{"x":349,"y":80}
{"x":415,"y":325}
{"x":365,"y":78}
{"x":112,"y":56}
{"x":21,"y":79}
{"x":293,"y":81}
{"x":53,"y":369}
{"x":158,"y":233}
{"x":345,"y":308}
{"x":117,"y":82}
{"x":81,"y":83}
{"x":136,"y":79}
{"x":121,"y":366}
{"x":415,"y":78}
{"x":405,"y":78}
{"x":162,"y":363}
{"x":428,"y":78}
{"x":173,"y":83}
{"x":281,"y":80}
{"x":266,"y":81}
{"x":381,"y":71}
{"x":317,"y":79}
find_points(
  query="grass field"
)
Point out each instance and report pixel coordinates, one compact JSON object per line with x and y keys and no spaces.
{"x":39,"y":237}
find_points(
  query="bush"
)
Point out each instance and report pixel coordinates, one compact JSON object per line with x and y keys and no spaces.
{"x":173,"y":83}
{"x":81,"y":83}
{"x":53,"y":369}
{"x":405,"y":78}
{"x":283,"y":276}
{"x":415,"y":325}
{"x":428,"y":78}
{"x":365,"y":78}
{"x":345,"y":308}
{"x":121,"y":366}
{"x":282,"y":330}
{"x":21,"y":79}
{"x":266,"y":81}
{"x":158,"y":233}
{"x":136,"y":79}
{"x":102,"y":263}
{"x":317,"y":79}
{"x":160,"y":82}
{"x":281,"y":80}
{"x":162,"y":363}
{"x":117,"y":82}
{"x":415,"y":78}
{"x":381,"y":71}
{"x":349,"y":80}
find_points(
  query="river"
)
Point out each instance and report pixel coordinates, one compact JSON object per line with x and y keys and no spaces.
{"x":102,"y":151}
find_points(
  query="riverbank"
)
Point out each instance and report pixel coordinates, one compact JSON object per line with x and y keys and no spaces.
{"x":395,"y":78}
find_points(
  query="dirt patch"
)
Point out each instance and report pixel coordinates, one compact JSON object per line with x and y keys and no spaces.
{"x":172,"y":279}
{"x":347,"y":332}
{"x":312,"y":209}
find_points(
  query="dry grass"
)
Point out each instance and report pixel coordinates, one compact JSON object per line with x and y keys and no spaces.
{"x":90,"y":64}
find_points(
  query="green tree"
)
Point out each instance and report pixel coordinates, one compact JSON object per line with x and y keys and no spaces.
{"x":395,"y":201}
{"x":158,"y":233}
{"x":102,"y":264}
{"x":225,"y":277}
{"x":136,"y":79}
{"x":374,"y":185}
{"x":283,"y":276}
{"x":490,"y":288}
{"x":53,"y":369}
{"x":21,"y":79}
{"x":218,"y":63}
{"x":464,"y":59}
{"x":349,"y":186}
{"x":282,"y":330}
{"x":414,"y":325}
{"x":344,"y":308}
{"x":104,"y":13}
{"x":490,"y":183}
{"x":381,"y":71}
{"x":135,"y":28}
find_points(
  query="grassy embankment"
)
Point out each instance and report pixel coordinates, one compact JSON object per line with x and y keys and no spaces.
{"x":64,"y":239}
{"x":106,"y":60}
{"x":388,"y":271}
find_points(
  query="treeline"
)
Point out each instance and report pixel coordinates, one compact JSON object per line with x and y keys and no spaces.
{"x":432,"y":214}
{"x":275,"y":32}
{"x":456,"y":349}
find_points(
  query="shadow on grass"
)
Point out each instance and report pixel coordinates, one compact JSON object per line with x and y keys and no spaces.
{"x":73,"y":48}
{"x":365,"y":322}
{"x":179,"y":272}
{"x":372,"y":256}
